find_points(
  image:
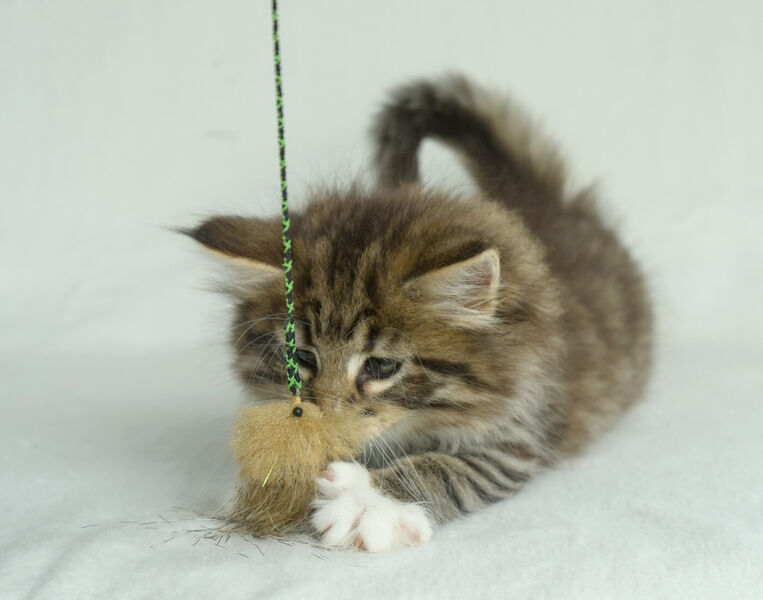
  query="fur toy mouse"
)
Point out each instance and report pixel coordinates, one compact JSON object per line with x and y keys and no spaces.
{"x":281,"y":450}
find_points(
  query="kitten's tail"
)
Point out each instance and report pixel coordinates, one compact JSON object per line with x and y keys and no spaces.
{"x":496,"y":140}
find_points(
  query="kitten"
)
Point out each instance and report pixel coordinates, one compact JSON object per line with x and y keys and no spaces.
{"x":484,"y":337}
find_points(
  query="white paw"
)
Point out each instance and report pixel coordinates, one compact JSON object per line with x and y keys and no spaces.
{"x":350,"y":513}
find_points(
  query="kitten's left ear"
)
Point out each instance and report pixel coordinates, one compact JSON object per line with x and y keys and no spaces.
{"x":252,"y":247}
{"x":464,"y":293}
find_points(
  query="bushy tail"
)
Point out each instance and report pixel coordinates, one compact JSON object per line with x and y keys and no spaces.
{"x":495,"y":139}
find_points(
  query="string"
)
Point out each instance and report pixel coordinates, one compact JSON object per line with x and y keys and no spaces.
{"x":292,"y":367}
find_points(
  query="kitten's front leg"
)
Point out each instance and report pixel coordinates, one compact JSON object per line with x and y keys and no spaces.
{"x":452,"y":485}
{"x":395,"y":507}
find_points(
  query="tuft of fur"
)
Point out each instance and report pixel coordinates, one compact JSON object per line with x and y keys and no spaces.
{"x":518,"y":324}
{"x":281,"y":457}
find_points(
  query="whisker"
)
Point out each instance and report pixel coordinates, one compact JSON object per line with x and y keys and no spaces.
{"x":252,"y":323}
{"x":411,"y":486}
{"x":410,"y":462}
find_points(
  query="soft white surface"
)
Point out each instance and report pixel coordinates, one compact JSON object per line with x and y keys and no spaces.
{"x":118,"y":119}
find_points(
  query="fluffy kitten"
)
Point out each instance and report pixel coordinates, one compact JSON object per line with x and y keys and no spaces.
{"x":484,"y":337}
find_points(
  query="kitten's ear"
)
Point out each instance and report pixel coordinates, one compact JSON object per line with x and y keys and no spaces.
{"x":251,"y":247}
{"x":465,"y":293}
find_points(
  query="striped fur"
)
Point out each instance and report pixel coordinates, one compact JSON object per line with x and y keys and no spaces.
{"x":561,"y":342}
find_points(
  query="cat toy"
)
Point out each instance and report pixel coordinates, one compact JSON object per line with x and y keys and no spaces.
{"x":282,"y":448}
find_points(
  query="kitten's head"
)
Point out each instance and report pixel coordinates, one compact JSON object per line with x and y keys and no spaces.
{"x":414,"y":308}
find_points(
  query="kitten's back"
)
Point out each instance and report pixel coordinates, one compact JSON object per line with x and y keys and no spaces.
{"x":608,"y":318}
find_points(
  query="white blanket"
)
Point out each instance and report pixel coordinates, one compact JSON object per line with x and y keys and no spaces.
{"x":104,"y":492}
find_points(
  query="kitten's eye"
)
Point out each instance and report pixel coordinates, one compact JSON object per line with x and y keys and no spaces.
{"x":307,"y":359}
{"x":381,"y":368}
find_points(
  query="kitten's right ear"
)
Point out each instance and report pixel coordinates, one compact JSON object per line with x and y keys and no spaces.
{"x":250,"y":246}
{"x":465,"y":293}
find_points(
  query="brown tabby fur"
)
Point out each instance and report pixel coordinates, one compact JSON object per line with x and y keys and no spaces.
{"x":539,"y":358}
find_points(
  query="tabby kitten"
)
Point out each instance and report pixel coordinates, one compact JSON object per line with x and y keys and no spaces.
{"x":481,"y":338}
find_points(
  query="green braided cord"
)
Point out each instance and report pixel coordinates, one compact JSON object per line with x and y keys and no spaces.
{"x":292,"y":368}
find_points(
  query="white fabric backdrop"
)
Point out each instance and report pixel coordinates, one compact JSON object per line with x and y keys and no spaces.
{"x":120,"y":119}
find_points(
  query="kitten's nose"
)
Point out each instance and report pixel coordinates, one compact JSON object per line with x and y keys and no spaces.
{"x":328,"y":389}
{"x":327,"y":396}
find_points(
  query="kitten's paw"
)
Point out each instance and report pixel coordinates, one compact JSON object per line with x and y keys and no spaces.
{"x":350,"y":513}
{"x":343,"y":476}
